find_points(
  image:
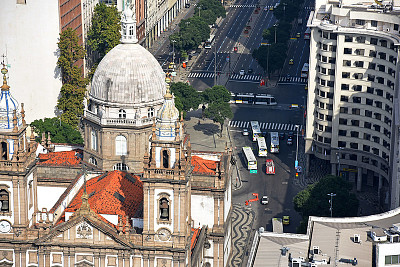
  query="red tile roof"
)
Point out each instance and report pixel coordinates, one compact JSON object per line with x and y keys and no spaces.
{"x":193,"y":240}
{"x":65,"y":158}
{"x":204,"y":166}
{"x":113,"y":193}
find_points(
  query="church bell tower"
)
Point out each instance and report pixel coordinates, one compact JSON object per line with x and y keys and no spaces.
{"x":166,"y":183}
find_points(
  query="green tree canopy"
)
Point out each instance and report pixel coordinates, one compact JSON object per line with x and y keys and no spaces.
{"x":314,"y":200}
{"x":186,"y":97}
{"x":276,"y":60}
{"x":60,"y":132}
{"x":192,"y":32}
{"x":213,"y":5}
{"x":74,"y":85}
{"x":217,"y":93}
{"x":104,"y":33}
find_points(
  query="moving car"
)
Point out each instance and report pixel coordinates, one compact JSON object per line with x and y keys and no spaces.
{"x":282,"y":136}
{"x":250,"y":71}
{"x":269,"y":166}
{"x":171,"y":65}
{"x":306,"y":87}
{"x":291,"y":61}
{"x":271,"y":8}
{"x":241,"y":72}
{"x":264,"y":200}
{"x":289,"y":141}
{"x":286,"y":220}
{"x":290,"y":135}
{"x":245,"y":132}
{"x":187,"y":5}
{"x":298,"y":35}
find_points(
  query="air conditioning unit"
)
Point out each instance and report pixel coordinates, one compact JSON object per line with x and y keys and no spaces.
{"x":315,"y":250}
{"x":356,"y":238}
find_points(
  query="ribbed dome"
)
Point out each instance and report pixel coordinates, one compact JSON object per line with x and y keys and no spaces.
{"x":129,"y":74}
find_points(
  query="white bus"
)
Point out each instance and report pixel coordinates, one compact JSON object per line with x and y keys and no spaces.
{"x":209,"y":42}
{"x":274,"y":142}
{"x":262,"y":147}
{"x":250,"y":159}
{"x":255,"y":130}
{"x":304,"y":71}
{"x":264,"y":99}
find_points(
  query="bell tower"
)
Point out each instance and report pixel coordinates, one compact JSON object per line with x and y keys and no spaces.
{"x":166,"y":183}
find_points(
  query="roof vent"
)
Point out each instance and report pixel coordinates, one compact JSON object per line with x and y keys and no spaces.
{"x":356,"y":238}
{"x":315,"y":250}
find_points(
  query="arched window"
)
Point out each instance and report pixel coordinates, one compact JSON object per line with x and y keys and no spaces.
{"x":94,"y":140}
{"x":4,"y":152}
{"x":164,"y":209}
{"x":120,"y":167}
{"x":93,"y":161}
{"x":165,"y":158}
{"x":4,"y":201}
{"x":122,"y":114}
{"x":150,"y":113}
{"x":120,"y":145}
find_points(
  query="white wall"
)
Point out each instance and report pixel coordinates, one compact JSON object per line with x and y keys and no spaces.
{"x":202,"y":211}
{"x":385,"y":249}
{"x":28,"y":37}
{"x":48,"y":196}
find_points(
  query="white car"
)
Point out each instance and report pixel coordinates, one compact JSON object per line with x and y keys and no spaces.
{"x":245,"y":132}
{"x":241,"y":72}
{"x":264,"y":200}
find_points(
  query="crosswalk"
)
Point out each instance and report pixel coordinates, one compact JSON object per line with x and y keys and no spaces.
{"x":239,"y":6}
{"x":292,"y":80}
{"x":266,"y":125}
{"x":247,"y":77}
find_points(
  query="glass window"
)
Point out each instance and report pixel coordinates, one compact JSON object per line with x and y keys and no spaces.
{"x":94,"y":140}
{"x":373,"y":41}
{"x":4,"y":201}
{"x":348,"y":51}
{"x":122,"y":114}
{"x":120,"y":145}
{"x":348,"y":38}
{"x":120,"y":167}
{"x":374,"y":23}
{"x":150,"y":113}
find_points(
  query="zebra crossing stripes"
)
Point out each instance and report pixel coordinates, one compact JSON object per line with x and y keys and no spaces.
{"x":292,"y":80}
{"x":236,"y":6}
{"x":247,"y":77}
{"x":266,"y":125}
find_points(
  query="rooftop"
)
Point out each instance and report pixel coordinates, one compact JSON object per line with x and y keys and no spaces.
{"x":65,"y":158}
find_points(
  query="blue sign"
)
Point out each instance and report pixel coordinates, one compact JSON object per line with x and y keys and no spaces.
{"x":296,"y":163}
{"x":227,"y":59}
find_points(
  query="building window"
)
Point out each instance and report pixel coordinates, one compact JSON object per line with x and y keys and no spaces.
{"x":354,"y":134}
{"x":345,"y":74}
{"x":375,"y":151}
{"x":357,"y":88}
{"x":366,"y":148}
{"x":358,"y":76}
{"x":360,"y":21}
{"x":367,"y":125}
{"x":4,"y":201}
{"x":345,"y":87}
{"x":150,"y":113}
{"x":342,"y":121}
{"x":378,"y":116}
{"x":354,"y":145}
{"x":374,"y":23}
{"x":377,"y":128}
{"x":120,"y":145}
{"x":165,"y":158}
{"x":344,"y":110}
{"x":355,"y":111}
{"x":356,"y":99}
{"x":355,"y":122}
{"x":379,"y":92}
{"x":131,"y":30}
{"x":382,"y":55}
{"x":342,"y":132}
{"x":348,"y":38}
{"x":93,"y":161}
{"x":4,"y":150}
{"x":122,"y":114}
{"x":396,"y":27}
{"x":371,"y":66}
{"x":164,"y":209}
{"x":359,"y":64}
{"x":359,"y":52}
{"x":348,"y":51}
{"x":120,"y":167}
{"x":94,"y":140}
{"x":383,"y":43}
{"x":368,"y":113}
{"x":360,"y":39}
{"x":378,"y":104}
{"x":370,"y":90}
{"x":373,"y":41}
{"x":372,"y":53}
{"x":367,"y":136}
{"x":342,"y":144}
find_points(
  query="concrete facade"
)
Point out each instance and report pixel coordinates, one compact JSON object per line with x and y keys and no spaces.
{"x":353,"y":91}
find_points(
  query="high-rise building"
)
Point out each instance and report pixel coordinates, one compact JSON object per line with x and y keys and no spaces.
{"x":352,"y":106}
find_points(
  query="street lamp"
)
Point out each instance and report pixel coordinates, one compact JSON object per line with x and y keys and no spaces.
{"x":338,"y":158}
{"x":284,"y":9}
{"x":330,"y":201}
{"x":296,"y":163}
{"x":199,"y":7}
{"x":275,"y":25}
{"x":173,"y":50}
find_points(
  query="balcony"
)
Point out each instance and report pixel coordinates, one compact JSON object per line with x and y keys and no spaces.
{"x":89,"y":115}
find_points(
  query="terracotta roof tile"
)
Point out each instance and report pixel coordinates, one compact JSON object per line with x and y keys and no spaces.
{"x":204,"y":166}
{"x":65,"y":158}
{"x":113,"y":193}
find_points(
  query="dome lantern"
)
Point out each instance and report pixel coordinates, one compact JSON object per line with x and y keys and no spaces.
{"x":128,"y":26}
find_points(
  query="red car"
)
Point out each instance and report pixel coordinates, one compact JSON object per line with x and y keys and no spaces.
{"x":269,"y":166}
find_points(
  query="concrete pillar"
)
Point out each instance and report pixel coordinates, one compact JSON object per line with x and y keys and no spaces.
{"x":333,"y":169}
{"x":380,"y":184}
{"x":359,"y":179}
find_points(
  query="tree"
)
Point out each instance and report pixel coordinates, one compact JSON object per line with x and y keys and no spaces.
{"x":275,"y":58}
{"x":104,"y":33}
{"x":74,"y":85}
{"x":218,"y":109}
{"x":314,"y":200}
{"x":192,"y":32}
{"x":60,"y":132}
{"x":186,"y":97}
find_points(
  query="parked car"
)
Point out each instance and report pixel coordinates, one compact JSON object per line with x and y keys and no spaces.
{"x":282,"y":136}
{"x":241,"y":72}
{"x":269,"y":166}
{"x":289,"y":141}
{"x":291,"y":61}
{"x":264,"y":200}
{"x":245,"y":132}
{"x":271,"y":8}
{"x":290,"y":135}
{"x":286,"y":220}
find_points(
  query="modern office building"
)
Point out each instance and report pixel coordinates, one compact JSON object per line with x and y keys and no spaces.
{"x":352,"y":105}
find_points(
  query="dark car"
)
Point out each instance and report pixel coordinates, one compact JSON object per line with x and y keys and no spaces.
{"x":250,"y":71}
{"x":282,"y":136}
{"x":187,"y":5}
{"x":290,"y":135}
{"x":290,"y":141}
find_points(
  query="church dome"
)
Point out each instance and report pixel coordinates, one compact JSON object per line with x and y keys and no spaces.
{"x":128,"y":74}
{"x":8,"y":105}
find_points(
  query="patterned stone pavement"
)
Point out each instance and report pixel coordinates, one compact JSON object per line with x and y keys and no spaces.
{"x":242,"y":223}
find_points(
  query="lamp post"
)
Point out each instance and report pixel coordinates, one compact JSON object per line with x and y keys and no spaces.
{"x":275,"y":25}
{"x":296,"y":163}
{"x":284,"y":9}
{"x":199,"y":7}
{"x":330,"y":201}
{"x":338,"y":158}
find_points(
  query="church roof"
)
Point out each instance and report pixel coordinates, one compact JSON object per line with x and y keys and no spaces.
{"x":113,"y":193}
{"x":204,"y":166}
{"x":65,"y":158}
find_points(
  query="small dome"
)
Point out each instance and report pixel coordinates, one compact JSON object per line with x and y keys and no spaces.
{"x":129,"y":74}
{"x":167,"y":117}
{"x":7,"y":105}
